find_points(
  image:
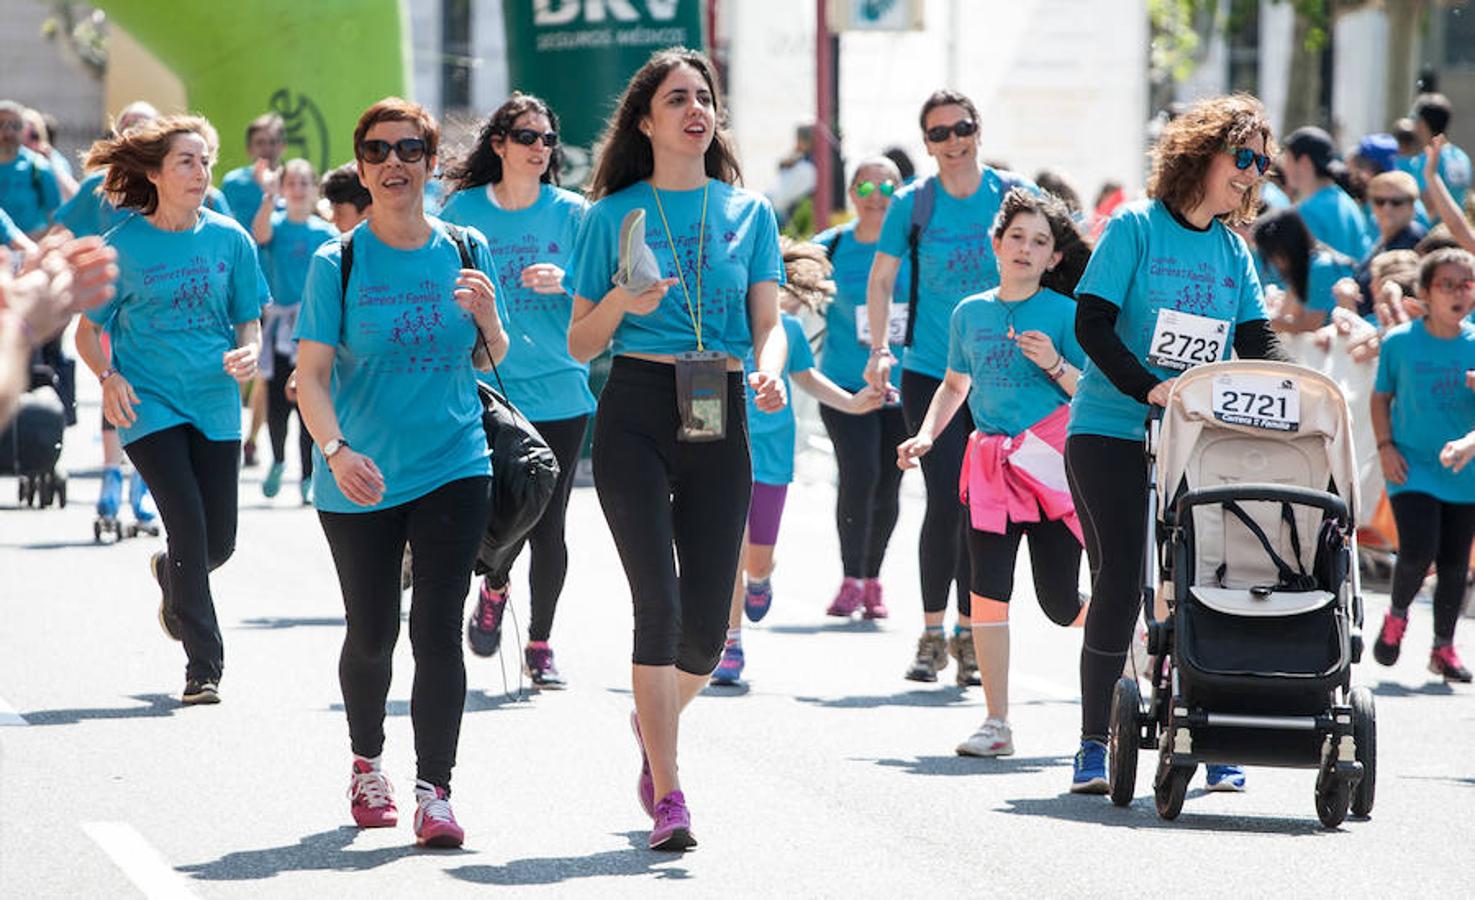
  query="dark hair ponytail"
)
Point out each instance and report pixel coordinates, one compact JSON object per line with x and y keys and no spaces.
{"x":1073,"y":249}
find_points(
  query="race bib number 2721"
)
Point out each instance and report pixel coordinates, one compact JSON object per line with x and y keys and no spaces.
{"x":1259,"y":401}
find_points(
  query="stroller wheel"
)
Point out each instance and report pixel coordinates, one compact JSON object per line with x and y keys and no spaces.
{"x":1333,"y":795}
{"x":1365,"y":734}
{"x":1171,"y":785}
{"x":1126,"y":701}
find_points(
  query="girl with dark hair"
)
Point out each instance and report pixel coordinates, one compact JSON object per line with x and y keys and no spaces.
{"x":184,"y":334}
{"x":1306,"y":267}
{"x":1013,"y":356}
{"x":671,"y":458}
{"x":1313,"y":172}
{"x":507,"y":188}
{"x":1166,"y":265}
{"x":952,"y":258}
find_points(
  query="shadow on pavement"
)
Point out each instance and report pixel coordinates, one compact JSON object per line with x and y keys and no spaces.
{"x":159,"y":706}
{"x":1141,"y":814}
{"x":277,"y":622}
{"x":973,"y":765}
{"x":713,"y":689}
{"x":1466,"y":781}
{"x":326,"y":851}
{"x":476,"y":701}
{"x":943,"y":696}
{"x":1431,"y":688}
{"x":835,"y":626}
{"x":57,"y":545}
{"x":638,"y":860}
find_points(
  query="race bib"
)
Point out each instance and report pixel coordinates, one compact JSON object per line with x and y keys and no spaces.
{"x":1183,"y":340}
{"x":896,"y":325}
{"x":1259,"y":401}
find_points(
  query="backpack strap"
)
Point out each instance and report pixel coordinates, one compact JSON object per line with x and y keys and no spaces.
{"x":922,"y":202}
{"x":833,"y":247}
{"x":345,"y":265}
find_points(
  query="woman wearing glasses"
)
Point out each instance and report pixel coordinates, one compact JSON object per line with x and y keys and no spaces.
{"x":952,"y":258}
{"x":671,"y":460}
{"x":507,"y":188}
{"x":392,"y":322}
{"x":1166,"y":264}
{"x":867,"y":500}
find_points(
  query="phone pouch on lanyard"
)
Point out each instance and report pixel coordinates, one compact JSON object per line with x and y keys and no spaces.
{"x":701,"y":395}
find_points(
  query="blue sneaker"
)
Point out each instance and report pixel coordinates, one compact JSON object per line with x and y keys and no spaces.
{"x":138,"y":497}
{"x":757,"y":599}
{"x":1090,"y":769}
{"x":730,"y":669}
{"x":1224,"y":779}
{"x":111,"y":496}
{"x":272,"y":483}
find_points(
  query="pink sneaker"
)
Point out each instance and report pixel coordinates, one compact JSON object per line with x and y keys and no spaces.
{"x":847,"y":600}
{"x":435,"y":824}
{"x":673,"y":824}
{"x":1445,"y":661}
{"x":645,"y":787}
{"x":371,"y":797}
{"x":871,"y":598}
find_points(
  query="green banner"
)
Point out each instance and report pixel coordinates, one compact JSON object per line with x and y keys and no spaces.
{"x":318,"y":64}
{"x":578,"y":55}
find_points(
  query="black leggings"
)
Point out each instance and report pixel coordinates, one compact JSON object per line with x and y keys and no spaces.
{"x":1108,"y":479}
{"x":444,"y":529}
{"x":1054,"y":558}
{"x":278,"y":410}
{"x":548,"y":562}
{"x":1431,"y":531}
{"x":943,"y":545}
{"x":867,"y":499}
{"x":657,"y":491}
{"x":193,"y":480}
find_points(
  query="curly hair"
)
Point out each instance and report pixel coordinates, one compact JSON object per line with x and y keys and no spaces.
{"x":1073,"y":249}
{"x":131,"y":156}
{"x":807,"y":271}
{"x":1189,"y":144}
{"x":483,"y":165}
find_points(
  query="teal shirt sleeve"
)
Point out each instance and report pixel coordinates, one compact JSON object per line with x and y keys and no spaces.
{"x":957,"y":361}
{"x":801,"y":357}
{"x":8,"y":231}
{"x":1068,"y":347}
{"x":594,"y":257}
{"x":1386,"y":381}
{"x":248,"y":289}
{"x":768,"y":261}
{"x":1113,"y":264}
{"x":1251,"y":296}
{"x":898,"y":221}
{"x":321,"y":318}
{"x":50,"y":190}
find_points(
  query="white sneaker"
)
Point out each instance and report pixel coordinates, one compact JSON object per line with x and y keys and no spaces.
{"x":993,"y":738}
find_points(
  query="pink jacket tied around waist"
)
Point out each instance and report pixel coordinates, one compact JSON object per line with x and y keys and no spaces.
{"x":1011,"y":479}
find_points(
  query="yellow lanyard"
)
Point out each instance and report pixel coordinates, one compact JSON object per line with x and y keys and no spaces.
{"x":695,"y":314}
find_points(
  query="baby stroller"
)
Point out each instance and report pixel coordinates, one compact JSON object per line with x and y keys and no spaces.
{"x":30,"y":446}
{"x":1254,"y":465}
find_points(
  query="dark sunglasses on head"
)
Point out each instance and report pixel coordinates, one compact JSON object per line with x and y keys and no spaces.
{"x":528,"y":137}
{"x":962,"y":128}
{"x":409,"y":150}
{"x":866,"y":188}
{"x":1244,"y":157}
{"x":1391,"y":201}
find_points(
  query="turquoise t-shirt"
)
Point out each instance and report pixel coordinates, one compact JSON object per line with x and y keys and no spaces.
{"x":28,"y":191}
{"x":286,"y":256}
{"x":242,"y":193}
{"x":1325,"y":270}
{"x":8,"y":231}
{"x":740,"y":250}
{"x":843,"y":357}
{"x":1148,"y":261}
{"x":403,"y":385}
{"x":542,"y":378}
{"x":180,"y":295}
{"x":771,"y":435}
{"x":1454,"y":171}
{"x":956,"y":258}
{"x":90,"y":212}
{"x":1431,"y":405}
{"x":1333,"y":218}
{"x":1010,"y":393}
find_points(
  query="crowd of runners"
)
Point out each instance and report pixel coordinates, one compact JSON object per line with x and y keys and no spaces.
{"x":973,"y":322}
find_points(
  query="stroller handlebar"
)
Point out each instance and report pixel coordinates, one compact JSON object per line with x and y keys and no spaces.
{"x":1274,"y":493}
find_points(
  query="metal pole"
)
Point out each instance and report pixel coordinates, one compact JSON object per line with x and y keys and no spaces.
{"x":824,"y":115}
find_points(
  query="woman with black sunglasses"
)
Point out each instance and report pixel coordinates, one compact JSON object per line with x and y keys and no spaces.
{"x":391,"y":326}
{"x":507,"y":188}
{"x":953,"y":258}
{"x":671,"y":461}
{"x":1166,"y":265}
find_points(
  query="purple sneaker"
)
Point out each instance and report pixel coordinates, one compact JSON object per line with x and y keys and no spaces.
{"x":872,"y":598}
{"x":645,"y":788}
{"x":849,"y":598}
{"x":538,"y":663}
{"x":484,"y":629}
{"x":673,"y":825}
{"x":730,"y":670}
{"x":757,"y":598}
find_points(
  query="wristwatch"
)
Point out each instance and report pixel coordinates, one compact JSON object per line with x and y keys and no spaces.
{"x":331,"y":448}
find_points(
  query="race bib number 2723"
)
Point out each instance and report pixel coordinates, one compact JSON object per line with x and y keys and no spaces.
{"x":1183,"y":340}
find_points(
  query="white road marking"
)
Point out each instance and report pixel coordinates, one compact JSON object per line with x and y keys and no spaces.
{"x":8,"y":715}
{"x":139,"y":861}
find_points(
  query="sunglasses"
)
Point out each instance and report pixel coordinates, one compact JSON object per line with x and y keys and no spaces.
{"x":1244,"y":157}
{"x":11,"y":125}
{"x":409,"y":150}
{"x":866,"y":188}
{"x":1453,"y":285}
{"x":962,"y":128}
{"x":528,"y":137}
{"x":1391,"y":201}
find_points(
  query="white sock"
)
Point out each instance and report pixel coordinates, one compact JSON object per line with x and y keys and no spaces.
{"x":734,"y":635}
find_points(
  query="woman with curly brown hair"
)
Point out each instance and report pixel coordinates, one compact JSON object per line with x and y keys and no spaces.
{"x":1167,"y":265}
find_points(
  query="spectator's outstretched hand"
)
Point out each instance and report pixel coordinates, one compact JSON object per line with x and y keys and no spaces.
{"x":63,"y":277}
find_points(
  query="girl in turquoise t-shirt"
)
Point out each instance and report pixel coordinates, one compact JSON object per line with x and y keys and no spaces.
{"x":507,"y":187}
{"x":1306,"y":267}
{"x":1423,"y":412}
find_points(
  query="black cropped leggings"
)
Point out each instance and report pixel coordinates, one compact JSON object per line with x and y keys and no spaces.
{"x":672,"y":507}
{"x":943,"y":545}
{"x":193,"y":480}
{"x":444,"y":530}
{"x":1432,"y":532}
{"x":1054,"y":560}
{"x":279,"y":410}
{"x":867,"y":500}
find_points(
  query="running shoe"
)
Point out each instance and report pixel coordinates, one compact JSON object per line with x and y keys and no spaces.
{"x":931,"y":657}
{"x":993,"y":738}
{"x":730,"y":670}
{"x":645,"y":787}
{"x":248,"y":455}
{"x":1445,"y":662}
{"x":371,"y":797}
{"x":1222,"y":779}
{"x":168,"y":618}
{"x":960,"y":647}
{"x":673,"y":825}
{"x":847,"y":600}
{"x":757,"y":598}
{"x":111,"y":496}
{"x":1390,"y":639}
{"x":199,"y":692}
{"x":271,"y":485}
{"x":1089,"y":775}
{"x":484,"y":630}
{"x":144,"y":512}
{"x":435,"y":824}
{"x":307,"y":493}
{"x":870,"y":598}
{"x":537,"y":662}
